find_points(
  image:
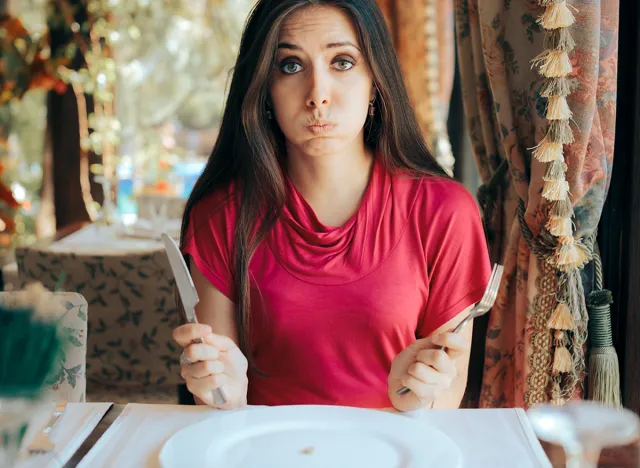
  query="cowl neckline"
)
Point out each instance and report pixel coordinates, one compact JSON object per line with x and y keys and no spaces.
{"x":330,"y":255}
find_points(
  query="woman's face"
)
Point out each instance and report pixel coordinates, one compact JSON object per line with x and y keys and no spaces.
{"x":321,"y":84}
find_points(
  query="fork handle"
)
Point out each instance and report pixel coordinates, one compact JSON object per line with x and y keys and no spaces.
{"x":466,"y":320}
{"x":53,"y":421}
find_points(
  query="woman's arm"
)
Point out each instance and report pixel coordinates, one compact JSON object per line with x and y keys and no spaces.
{"x":214,"y":309}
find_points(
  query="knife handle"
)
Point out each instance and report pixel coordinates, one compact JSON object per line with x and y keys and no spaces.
{"x":219,"y":397}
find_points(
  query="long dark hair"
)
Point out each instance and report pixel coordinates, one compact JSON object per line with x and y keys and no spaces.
{"x":249,"y":147}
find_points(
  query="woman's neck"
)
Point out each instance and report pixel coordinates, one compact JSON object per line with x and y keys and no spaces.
{"x":333,"y":184}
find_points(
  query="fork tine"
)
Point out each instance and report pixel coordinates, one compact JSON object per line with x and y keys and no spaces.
{"x":487,"y":292}
{"x":494,"y":286}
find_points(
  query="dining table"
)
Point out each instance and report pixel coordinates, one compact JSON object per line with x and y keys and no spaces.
{"x":627,"y":456}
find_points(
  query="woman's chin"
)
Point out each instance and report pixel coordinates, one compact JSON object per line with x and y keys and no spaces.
{"x":325,"y":145}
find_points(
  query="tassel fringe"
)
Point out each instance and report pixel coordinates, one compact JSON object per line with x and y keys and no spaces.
{"x":553,"y":63}
{"x":559,"y":226}
{"x":559,"y":39}
{"x":570,"y":254}
{"x":562,"y":209}
{"x":555,"y":87}
{"x":562,"y":319}
{"x":557,"y":15}
{"x":555,"y":189}
{"x":562,"y":361}
{"x":558,"y":109}
{"x":555,"y":171}
{"x":560,"y":132}
{"x":604,"y":377}
{"x":547,"y":151}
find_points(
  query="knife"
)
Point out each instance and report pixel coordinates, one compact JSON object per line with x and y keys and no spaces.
{"x":188,"y":296}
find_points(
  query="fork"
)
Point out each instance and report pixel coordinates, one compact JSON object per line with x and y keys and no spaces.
{"x":481,"y":308}
{"x":42,"y":443}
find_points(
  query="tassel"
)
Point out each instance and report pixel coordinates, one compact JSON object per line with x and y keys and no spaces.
{"x":562,"y":361}
{"x":559,"y":226}
{"x":556,"y":15}
{"x":547,"y":151}
{"x":604,"y":377}
{"x":556,"y":87}
{"x":560,"y":132}
{"x":561,"y":319}
{"x":559,"y":39}
{"x":570,"y":254}
{"x":555,"y":189}
{"x":562,"y":209}
{"x":553,"y":63}
{"x":604,"y":369}
{"x":555,"y":171}
{"x":558,"y":109}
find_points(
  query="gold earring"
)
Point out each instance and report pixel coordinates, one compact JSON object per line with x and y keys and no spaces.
{"x":372,"y":109}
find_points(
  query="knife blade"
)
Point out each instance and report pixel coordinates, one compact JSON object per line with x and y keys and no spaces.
{"x":188,"y":295}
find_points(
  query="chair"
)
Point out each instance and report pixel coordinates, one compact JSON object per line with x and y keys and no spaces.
{"x":131,"y":354}
{"x":69,"y":381}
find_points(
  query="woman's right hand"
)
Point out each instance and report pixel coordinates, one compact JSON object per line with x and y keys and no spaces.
{"x":218,"y":362}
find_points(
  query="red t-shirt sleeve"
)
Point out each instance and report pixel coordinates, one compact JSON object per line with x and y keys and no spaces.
{"x":208,"y":240}
{"x":456,"y":253}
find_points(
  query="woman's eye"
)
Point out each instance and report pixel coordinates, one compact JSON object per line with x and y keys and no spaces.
{"x":290,"y":68}
{"x":343,"y":65}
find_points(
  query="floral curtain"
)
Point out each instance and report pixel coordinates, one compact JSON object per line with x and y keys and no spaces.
{"x":508,"y":117}
{"x":423,"y":36}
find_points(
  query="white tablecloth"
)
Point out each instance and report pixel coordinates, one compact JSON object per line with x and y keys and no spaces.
{"x":105,"y":240}
{"x":102,"y":240}
{"x":491,"y":438}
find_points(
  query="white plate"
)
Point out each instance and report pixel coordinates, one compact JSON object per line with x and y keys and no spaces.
{"x":309,"y":437}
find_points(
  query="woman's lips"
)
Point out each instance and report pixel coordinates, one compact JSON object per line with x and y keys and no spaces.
{"x":320,"y":128}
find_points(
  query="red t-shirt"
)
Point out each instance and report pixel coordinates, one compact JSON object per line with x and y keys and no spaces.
{"x":333,"y":306}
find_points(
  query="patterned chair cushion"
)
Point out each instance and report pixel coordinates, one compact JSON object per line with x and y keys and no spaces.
{"x":132,"y":317}
{"x":69,"y":381}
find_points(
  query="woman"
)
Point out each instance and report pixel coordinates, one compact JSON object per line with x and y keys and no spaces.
{"x":330,"y":252}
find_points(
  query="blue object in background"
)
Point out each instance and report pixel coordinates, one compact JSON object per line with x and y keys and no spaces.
{"x":188,"y":173}
{"x":126,"y":201}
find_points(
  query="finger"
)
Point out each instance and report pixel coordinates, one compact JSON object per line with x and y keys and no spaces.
{"x":221,"y":342}
{"x":438,"y":360}
{"x":422,"y":343}
{"x":424,"y":392}
{"x":185,"y":334}
{"x":201,"y":352}
{"x":201,"y":369}
{"x":428,"y":375}
{"x":456,"y":344}
{"x":203,"y":388}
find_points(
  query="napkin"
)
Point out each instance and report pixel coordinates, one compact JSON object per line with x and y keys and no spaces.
{"x":136,"y":437}
{"x":78,"y":421}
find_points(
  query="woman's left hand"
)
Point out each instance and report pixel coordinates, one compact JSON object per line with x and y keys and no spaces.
{"x":426,"y":370}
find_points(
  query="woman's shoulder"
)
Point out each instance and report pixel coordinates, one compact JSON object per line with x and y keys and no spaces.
{"x":443,"y":193}
{"x":436,"y":196}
